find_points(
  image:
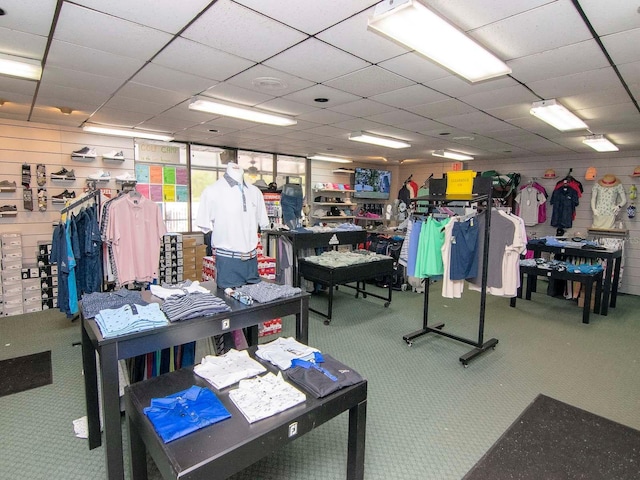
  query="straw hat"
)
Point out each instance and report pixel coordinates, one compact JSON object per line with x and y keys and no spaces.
{"x":636,"y":172}
{"x":609,"y":180}
{"x":550,"y":173}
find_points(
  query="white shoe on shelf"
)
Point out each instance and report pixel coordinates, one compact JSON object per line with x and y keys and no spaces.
{"x":114,"y":155}
{"x":126,"y":177}
{"x":100,"y":176}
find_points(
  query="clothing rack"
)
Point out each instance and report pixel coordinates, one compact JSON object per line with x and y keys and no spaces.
{"x":482,"y":187}
{"x":91,"y":195}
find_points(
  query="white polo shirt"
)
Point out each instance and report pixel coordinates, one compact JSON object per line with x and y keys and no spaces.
{"x":221,"y":212}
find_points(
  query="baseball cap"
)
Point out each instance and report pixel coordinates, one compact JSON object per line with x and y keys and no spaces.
{"x":550,"y":173}
{"x":591,"y":173}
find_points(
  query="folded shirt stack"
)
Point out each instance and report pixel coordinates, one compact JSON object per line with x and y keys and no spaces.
{"x":167,"y":290}
{"x":193,"y":305}
{"x":92,"y":303}
{"x":267,"y":292}
{"x":281,"y":351}
{"x":129,"y":319}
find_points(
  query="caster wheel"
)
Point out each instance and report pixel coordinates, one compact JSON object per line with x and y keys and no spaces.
{"x":409,"y":344}
{"x":386,"y":304}
{"x":465,"y":365}
{"x":327,"y":322}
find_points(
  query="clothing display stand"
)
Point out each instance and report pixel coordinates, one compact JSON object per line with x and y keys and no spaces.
{"x":481,"y":197}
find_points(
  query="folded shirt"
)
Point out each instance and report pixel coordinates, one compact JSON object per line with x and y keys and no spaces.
{"x":166,"y":291}
{"x":193,"y":305}
{"x":179,"y":414}
{"x":267,"y":292}
{"x":92,"y":303}
{"x":224,"y":370}
{"x":282,"y":350}
{"x":323,"y":376}
{"x":129,"y":319}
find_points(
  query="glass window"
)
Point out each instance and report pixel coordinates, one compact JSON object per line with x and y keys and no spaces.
{"x":256,"y":165}
{"x":206,"y":168}
{"x":293,"y":167}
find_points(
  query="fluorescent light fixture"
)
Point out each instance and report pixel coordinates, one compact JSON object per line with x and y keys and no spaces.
{"x":327,"y":158}
{"x":416,"y":27}
{"x":556,"y":115}
{"x":378,"y":140}
{"x":237,"y":111}
{"x":451,"y":155}
{"x":600,"y":143}
{"x":128,"y":132}
{"x":20,"y":67}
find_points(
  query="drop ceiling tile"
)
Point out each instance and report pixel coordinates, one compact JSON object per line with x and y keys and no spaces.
{"x":576,"y":58}
{"x":469,"y":15}
{"x":309,"y":60}
{"x":17,"y":86}
{"x":160,"y":14}
{"x":623,"y":46}
{"x":352,"y":36}
{"x":91,"y":29}
{"x":68,"y":96}
{"x":477,"y":122}
{"x":630,"y":72}
{"x":390,"y":131}
{"x":335,"y":97}
{"x":53,"y":116}
{"x":249,"y":79}
{"x":611,"y":16}
{"x":121,"y":118}
{"x":358,"y":124}
{"x":151,"y":94}
{"x":22,"y":44}
{"x":83,"y":80}
{"x":130,"y":104}
{"x":182,"y":112}
{"x":409,"y":96}
{"x":444,"y":108}
{"x":324,"y":116}
{"x":395,"y":117}
{"x":25,"y":17}
{"x":533,"y":31}
{"x":261,"y":131}
{"x":310,"y":17}
{"x":80,"y":110}
{"x":328,"y":131}
{"x":13,"y":99}
{"x":421,"y":126}
{"x":300,"y":135}
{"x":362,"y":108}
{"x":585,"y":82}
{"x":82,"y":59}
{"x":230,"y":123}
{"x":168,"y":79}
{"x":510,"y":111}
{"x":211,"y":63}
{"x":609,"y":114}
{"x":500,"y":98}
{"x":166,"y":124}
{"x":611,"y":96}
{"x":415,"y":67}
{"x":231,"y":93}
{"x":286,"y":107}
{"x":369,"y":81}
{"x":456,"y":87}
{"x":261,"y":36}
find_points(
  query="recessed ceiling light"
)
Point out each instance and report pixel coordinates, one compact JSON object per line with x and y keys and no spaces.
{"x":321,"y":100}
{"x":445,"y":133}
{"x":213,"y":130}
{"x":269,"y":83}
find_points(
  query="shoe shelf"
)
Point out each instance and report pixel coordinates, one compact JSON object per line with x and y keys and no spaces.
{"x":8,"y":214}
{"x":333,"y":190}
{"x":333,"y":217}
{"x":336,"y":204}
{"x":63,"y":180}
{"x":115,"y":160}
{"x":7,"y":189}
{"x":82,"y":158}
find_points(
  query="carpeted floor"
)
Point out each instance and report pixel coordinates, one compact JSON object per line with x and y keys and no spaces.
{"x":427,"y":417}
{"x":552,"y":439}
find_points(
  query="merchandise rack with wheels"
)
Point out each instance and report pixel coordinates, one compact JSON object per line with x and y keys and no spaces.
{"x":482,"y":198}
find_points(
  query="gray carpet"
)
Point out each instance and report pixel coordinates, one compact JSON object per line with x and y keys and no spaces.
{"x":427,"y":418}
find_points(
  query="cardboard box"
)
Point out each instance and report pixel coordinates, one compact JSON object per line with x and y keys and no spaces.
{"x":12,"y":288}
{"x":188,"y":242}
{"x":13,"y":300}
{"x":11,"y":253}
{"x":11,"y":276}
{"x":31,"y":307}
{"x":201,"y":251}
{"x":593,"y":296}
{"x":13,"y":264}
{"x":11,"y":239}
{"x":9,"y":311}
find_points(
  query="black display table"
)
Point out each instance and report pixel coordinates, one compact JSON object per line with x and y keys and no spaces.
{"x":222,"y":449}
{"x":332,"y":277}
{"x":586,"y":279}
{"x":110,"y":350}
{"x":611,"y":273}
{"x":302,"y":240}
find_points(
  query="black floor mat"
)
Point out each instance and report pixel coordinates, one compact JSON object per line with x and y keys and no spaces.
{"x":554,"y":440}
{"x":24,"y":373}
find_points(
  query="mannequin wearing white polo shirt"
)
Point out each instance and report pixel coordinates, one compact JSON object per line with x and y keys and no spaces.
{"x":233,"y":210}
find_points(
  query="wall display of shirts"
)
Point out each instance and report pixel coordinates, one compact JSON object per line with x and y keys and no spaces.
{"x":162,"y":183}
{"x":531,"y":200}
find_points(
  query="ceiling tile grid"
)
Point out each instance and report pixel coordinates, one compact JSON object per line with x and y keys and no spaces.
{"x":139,"y":63}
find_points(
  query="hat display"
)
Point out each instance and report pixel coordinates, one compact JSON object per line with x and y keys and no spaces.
{"x":550,"y":173}
{"x":636,"y":172}
{"x":260,"y":183}
{"x":591,"y":173}
{"x":609,"y":180}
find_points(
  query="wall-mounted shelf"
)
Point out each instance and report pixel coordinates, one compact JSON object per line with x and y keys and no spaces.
{"x":345,"y":171}
{"x":336,"y":204}
{"x":333,"y":217}
{"x":7,"y":189}
{"x":333,"y":191}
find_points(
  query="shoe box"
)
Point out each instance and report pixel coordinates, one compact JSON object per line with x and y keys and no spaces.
{"x":11,"y":277}
{"x":171,"y":258}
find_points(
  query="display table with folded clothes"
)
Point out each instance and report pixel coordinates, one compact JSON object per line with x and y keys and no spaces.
{"x":576,"y":248}
{"x":222,"y":415}
{"x":124,"y":324}
{"x":335,"y":268}
{"x":585,"y":274}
